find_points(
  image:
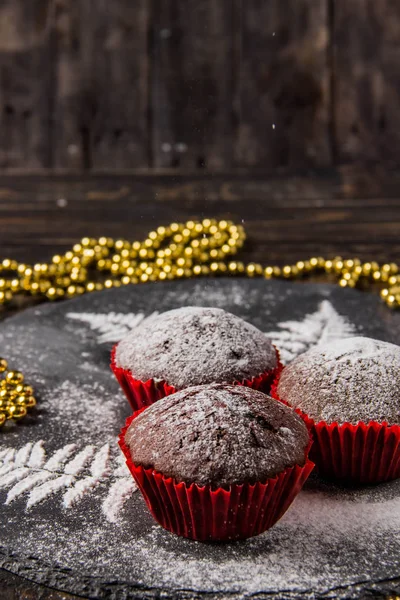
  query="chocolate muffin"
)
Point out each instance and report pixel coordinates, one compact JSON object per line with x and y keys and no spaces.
{"x":194,"y":346}
{"x":217,"y":462}
{"x":218,"y":435}
{"x":347,"y":381}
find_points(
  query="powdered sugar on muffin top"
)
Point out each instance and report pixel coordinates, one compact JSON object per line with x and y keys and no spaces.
{"x":194,"y":346}
{"x":351,"y":380}
{"x":218,"y":435}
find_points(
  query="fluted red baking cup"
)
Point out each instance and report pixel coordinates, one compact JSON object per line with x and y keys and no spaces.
{"x":205,"y":514}
{"x":144,"y":393}
{"x":360,"y":453}
{"x":139,"y":393}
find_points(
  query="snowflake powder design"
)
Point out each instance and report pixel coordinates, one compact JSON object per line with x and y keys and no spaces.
{"x":324,"y":325}
{"x":111,"y":326}
{"x":75,"y":473}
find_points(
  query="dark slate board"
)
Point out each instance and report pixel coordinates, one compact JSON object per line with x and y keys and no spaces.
{"x":332,"y":543}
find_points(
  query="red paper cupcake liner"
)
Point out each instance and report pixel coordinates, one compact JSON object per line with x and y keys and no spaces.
{"x":361,"y":453}
{"x":205,"y":514}
{"x":144,"y":393}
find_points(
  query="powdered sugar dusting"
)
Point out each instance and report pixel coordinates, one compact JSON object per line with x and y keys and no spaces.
{"x":45,"y":490}
{"x":27,"y":470}
{"x":111,"y":326}
{"x":77,"y":464}
{"x":195,"y":345}
{"x":316,"y":329}
{"x":218,"y":434}
{"x":58,"y":459}
{"x":119,"y":492}
{"x":27,"y":484}
{"x":356,"y":379}
{"x":38,"y":456}
{"x":85,"y":402}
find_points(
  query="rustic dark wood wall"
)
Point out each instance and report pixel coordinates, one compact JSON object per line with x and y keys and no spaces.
{"x":198,"y":84}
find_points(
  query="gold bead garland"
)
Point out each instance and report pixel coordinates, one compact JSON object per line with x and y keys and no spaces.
{"x":15,"y":397}
{"x":180,"y":250}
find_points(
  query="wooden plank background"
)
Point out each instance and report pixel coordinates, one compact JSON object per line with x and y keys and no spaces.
{"x":198,"y":84}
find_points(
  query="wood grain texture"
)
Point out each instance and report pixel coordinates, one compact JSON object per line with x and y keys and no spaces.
{"x":283,"y":97}
{"x":25,"y":84}
{"x":192,"y":83}
{"x":101,"y":91}
{"x":367,"y":80}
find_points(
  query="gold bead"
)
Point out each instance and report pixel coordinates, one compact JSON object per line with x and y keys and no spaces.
{"x":71,"y":291}
{"x":3,"y":365}
{"x":232,"y":267}
{"x":30,"y":401}
{"x":268,"y":272}
{"x":14,"y":377}
{"x":197,"y":270}
{"x":338,"y":265}
{"x":287,"y":270}
{"x":384,"y":293}
{"x":2,"y":418}
{"x":250,"y":269}
{"x":366,"y":268}
{"x":16,"y":412}
{"x":393,"y":280}
{"x":391,"y":300}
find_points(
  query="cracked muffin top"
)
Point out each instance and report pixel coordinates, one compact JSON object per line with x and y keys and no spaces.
{"x":218,"y":435}
{"x":194,"y":346}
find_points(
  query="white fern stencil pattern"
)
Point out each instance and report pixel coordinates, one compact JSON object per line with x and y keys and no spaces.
{"x":112,"y":326}
{"x":72,"y":472}
{"x":324,"y":325}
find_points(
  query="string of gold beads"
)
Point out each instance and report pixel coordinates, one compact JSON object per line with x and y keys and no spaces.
{"x":180,"y":250}
{"x":16,"y":398}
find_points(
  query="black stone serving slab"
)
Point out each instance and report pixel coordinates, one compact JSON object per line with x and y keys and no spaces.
{"x":70,"y":528}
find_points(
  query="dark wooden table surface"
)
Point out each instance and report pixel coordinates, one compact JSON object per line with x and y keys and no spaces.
{"x":348,"y":212}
